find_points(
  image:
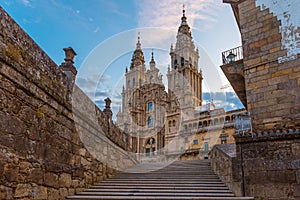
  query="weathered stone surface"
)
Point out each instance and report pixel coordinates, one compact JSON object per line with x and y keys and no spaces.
{"x":41,"y":192}
{"x":51,"y":179}
{"x":23,"y":190}
{"x":65,"y":180}
{"x":53,"y":194}
{"x":267,"y":65}
{"x":6,"y":192}
{"x":40,"y":145}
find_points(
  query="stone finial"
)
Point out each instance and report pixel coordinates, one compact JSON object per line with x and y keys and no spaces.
{"x":69,"y":54}
{"x":69,"y":69}
{"x":107,"y":111}
{"x":107,"y":102}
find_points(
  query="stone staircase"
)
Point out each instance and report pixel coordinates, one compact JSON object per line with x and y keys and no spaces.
{"x":176,"y":180}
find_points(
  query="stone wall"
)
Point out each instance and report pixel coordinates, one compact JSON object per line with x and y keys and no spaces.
{"x":264,"y":166}
{"x":42,"y":154}
{"x":271,"y":64}
{"x":227,"y":167}
{"x":272,"y":78}
{"x":271,"y":164}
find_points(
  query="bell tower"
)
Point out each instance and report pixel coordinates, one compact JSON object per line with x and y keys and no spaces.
{"x":184,"y":76}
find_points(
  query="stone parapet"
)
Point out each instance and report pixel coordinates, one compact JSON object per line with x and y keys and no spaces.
{"x":271,"y":164}
{"x":42,"y":155}
{"x":226,"y":166}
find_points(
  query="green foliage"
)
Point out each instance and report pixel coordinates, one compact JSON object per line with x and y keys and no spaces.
{"x":13,"y":52}
{"x":39,"y":113}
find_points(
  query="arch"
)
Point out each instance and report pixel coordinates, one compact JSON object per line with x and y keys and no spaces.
{"x":174,"y":122}
{"x":182,"y":61}
{"x":216,"y":121}
{"x":150,"y":106}
{"x":204,"y":123}
{"x":200,"y":125}
{"x":150,"y":122}
{"x":227,"y":119}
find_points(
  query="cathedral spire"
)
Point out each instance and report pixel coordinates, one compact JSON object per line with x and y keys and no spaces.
{"x":138,"y":55}
{"x":184,"y":27}
{"x":152,"y":58}
{"x":138,"y":44}
{"x":183,"y":18}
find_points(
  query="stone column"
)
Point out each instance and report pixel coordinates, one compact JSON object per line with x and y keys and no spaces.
{"x":70,"y":70}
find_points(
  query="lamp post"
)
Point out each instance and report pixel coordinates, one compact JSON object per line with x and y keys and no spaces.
{"x":231,"y":57}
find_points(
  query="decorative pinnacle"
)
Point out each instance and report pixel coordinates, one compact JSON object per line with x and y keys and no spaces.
{"x":152,"y":58}
{"x":138,"y":44}
{"x":183,"y":18}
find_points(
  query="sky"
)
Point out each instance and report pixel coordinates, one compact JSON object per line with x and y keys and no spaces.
{"x":104,"y":34}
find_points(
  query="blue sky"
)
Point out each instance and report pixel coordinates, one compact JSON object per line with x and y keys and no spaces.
{"x":103,"y":33}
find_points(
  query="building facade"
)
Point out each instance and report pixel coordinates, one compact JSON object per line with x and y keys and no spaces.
{"x":171,"y":123}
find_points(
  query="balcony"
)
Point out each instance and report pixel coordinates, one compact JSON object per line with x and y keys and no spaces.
{"x":233,"y":68}
{"x":232,"y":55}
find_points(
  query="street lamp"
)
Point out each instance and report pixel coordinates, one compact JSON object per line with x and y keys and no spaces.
{"x":231,"y":57}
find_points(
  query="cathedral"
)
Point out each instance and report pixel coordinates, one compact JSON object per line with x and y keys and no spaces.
{"x":171,"y":123}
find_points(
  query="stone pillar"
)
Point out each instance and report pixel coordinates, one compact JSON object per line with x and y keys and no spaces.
{"x":69,"y":69}
{"x":107,"y":111}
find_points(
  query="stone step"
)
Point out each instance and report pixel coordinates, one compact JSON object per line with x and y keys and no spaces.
{"x":184,"y":187}
{"x":157,"y":193}
{"x":165,"y":179}
{"x":83,"y":197}
{"x":162,"y":182}
{"x":159,"y":190}
{"x":176,"y":180}
{"x":171,"y":185}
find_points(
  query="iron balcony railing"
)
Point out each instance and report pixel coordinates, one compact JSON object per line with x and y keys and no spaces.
{"x":232,"y":55}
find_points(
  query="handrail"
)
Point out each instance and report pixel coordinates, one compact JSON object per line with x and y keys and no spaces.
{"x":232,"y":55}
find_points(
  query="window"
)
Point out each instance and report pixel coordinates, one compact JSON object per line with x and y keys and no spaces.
{"x":186,"y":139}
{"x":206,"y":146}
{"x":182,"y":61}
{"x":181,"y":150}
{"x":200,"y":125}
{"x":195,"y":141}
{"x":150,"y":122}
{"x":223,"y":139}
{"x":227,"y":119}
{"x":150,"y":106}
{"x":148,"y":152}
{"x":174,"y":123}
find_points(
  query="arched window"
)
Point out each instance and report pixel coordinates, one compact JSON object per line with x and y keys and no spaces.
{"x":174,"y":123}
{"x":200,"y":125}
{"x":150,"y":122}
{"x":170,"y":123}
{"x":133,"y":82}
{"x":227,"y":119}
{"x":182,"y":61}
{"x":150,"y":106}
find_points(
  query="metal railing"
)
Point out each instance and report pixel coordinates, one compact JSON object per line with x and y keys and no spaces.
{"x":232,"y":55}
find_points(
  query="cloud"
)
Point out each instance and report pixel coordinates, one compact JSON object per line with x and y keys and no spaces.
{"x":157,"y":13}
{"x":96,"y":30}
{"x":26,"y":3}
{"x":227,"y":100}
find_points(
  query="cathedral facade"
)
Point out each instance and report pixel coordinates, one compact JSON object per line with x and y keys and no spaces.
{"x":170,"y":123}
